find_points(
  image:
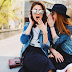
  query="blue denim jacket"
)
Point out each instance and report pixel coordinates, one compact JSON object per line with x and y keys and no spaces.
{"x":25,"y":40}
{"x":65,"y":41}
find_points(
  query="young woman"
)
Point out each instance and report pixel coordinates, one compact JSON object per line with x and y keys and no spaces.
{"x":35,"y":38}
{"x":61,"y":31}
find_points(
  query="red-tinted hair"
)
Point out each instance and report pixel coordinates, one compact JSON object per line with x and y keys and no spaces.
{"x":61,"y":24}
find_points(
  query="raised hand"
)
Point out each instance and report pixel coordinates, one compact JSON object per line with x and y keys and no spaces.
{"x":30,"y":20}
{"x":42,"y":26}
{"x":28,"y":30}
{"x":50,"y":21}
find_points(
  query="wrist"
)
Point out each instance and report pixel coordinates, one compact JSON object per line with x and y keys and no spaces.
{"x":51,"y":26}
{"x":45,"y":32}
{"x":53,"y":51}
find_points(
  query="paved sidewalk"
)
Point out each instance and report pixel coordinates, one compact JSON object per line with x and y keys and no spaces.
{"x":9,"y":48}
{"x":4,"y":67}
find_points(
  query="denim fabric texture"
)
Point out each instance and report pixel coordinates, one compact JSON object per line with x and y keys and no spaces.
{"x":25,"y":40}
{"x":64,"y":40}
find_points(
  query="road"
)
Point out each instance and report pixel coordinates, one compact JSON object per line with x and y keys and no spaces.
{"x":9,"y":48}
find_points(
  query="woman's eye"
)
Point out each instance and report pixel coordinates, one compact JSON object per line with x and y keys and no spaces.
{"x":41,"y":11}
{"x":34,"y":11}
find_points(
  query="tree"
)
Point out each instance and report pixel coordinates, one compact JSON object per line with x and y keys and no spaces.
{"x":5,"y":12}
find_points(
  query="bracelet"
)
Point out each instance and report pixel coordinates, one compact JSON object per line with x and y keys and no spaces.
{"x":51,"y":26}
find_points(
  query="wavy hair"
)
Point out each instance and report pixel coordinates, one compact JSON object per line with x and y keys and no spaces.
{"x":44,"y":19}
{"x":61,"y":23}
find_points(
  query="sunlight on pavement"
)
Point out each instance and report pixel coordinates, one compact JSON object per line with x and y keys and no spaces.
{"x":11,"y":46}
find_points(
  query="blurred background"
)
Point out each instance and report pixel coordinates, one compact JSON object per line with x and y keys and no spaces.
{"x":11,"y":17}
{"x":48,"y":4}
{"x":14,"y":13}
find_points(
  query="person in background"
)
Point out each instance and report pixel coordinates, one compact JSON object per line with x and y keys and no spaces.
{"x":35,"y":38}
{"x":61,"y":31}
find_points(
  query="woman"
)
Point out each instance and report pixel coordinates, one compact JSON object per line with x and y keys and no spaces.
{"x":61,"y":28}
{"x":36,"y":41}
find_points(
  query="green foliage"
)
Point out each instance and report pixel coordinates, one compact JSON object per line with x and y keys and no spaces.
{"x":5,"y":12}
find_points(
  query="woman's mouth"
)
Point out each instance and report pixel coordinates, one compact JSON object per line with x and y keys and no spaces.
{"x":37,"y":17}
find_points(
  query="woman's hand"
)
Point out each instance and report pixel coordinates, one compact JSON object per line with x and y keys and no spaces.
{"x":28,"y":30}
{"x":42,"y":26}
{"x":50,"y":21}
{"x":58,"y":56}
{"x":30,"y":20}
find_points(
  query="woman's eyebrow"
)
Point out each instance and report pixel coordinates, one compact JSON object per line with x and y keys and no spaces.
{"x":40,"y":9}
{"x":37,"y":9}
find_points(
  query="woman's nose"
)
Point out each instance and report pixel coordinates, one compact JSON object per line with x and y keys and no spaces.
{"x":37,"y":12}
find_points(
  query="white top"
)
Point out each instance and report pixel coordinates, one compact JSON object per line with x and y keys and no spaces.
{"x":35,"y":41}
{"x":63,"y":70}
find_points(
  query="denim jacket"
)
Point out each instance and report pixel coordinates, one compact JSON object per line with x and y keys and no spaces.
{"x":25,"y":40}
{"x":65,"y":41}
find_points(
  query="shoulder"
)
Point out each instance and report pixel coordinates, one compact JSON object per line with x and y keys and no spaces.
{"x":27,"y":23}
{"x":70,"y":28}
{"x":25,"y":26}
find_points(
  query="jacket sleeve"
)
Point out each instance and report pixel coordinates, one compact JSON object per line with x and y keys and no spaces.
{"x":60,"y":39}
{"x":46,"y":45}
{"x":24,"y":38}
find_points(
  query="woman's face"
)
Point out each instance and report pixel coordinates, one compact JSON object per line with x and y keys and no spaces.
{"x":54,"y":15}
{"x":37,"y":12}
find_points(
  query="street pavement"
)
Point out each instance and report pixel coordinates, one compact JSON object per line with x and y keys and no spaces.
{"x":9,"y":48}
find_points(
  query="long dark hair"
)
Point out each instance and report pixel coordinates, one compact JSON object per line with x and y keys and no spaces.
{"x":44,"y":19}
